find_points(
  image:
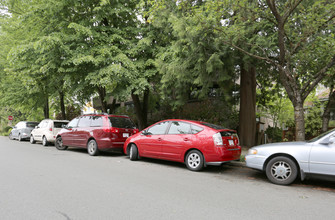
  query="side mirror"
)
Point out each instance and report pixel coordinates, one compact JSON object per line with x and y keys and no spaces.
{"x":64,"y":126}
{"x":36,"y":127}
{"x":145,"y":132}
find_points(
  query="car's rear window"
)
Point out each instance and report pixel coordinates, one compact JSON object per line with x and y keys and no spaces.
{"x":217,"y":127}
{"x":120,"y":122}
{"x":58,"y":124}
{"x":228,"y":133}
{"x":31,"y":124}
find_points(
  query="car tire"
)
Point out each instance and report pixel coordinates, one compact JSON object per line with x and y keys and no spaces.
{"x":45,"y":141}
{"x":281,"y":170}
{"x":10,"y":136}
{"x":32,"y":140}
{"x":20,"y":137}
{"x":133,"y":152}
{"x":59,"y":144}
{"x":92,"y":148}
{"x":194,"y":160}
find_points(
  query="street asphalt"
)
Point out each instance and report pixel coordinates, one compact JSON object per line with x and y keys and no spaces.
{"x":43,"y":183}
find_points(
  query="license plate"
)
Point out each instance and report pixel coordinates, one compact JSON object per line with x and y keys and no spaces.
{"x":125,"y":135}
{"x":231,"y":142}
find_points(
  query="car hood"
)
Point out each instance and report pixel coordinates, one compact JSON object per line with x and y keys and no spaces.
{"x":284,"y":144}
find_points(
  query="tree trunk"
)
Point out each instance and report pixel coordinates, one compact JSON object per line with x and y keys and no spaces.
{"x":46,"y":107}
{"x":141,"y":109}
{"x":102,"y":97}
{"x":299,"y":121}
{"x":326,"y":112}
{"x":62,"y":105}
{"x":247,"y":125}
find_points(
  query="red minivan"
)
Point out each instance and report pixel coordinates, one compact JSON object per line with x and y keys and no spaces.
{"x":194,"y":143}
{"x":96,"y":132}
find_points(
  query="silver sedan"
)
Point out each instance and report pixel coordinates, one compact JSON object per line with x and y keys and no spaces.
{"x":284,"y":162}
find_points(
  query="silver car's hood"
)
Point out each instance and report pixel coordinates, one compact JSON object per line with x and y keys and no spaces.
{"x":284,"y":144}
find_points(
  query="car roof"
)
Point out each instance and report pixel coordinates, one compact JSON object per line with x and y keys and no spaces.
{"x":109,"y":115}
{"x":201,"y":123}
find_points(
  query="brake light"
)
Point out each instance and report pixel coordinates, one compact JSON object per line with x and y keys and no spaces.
{"x":217,"y":138}
{"x":50,"y":129}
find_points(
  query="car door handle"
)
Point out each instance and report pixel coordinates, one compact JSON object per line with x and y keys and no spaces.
{"x":159,"y":139}
{"x":186,"y":139}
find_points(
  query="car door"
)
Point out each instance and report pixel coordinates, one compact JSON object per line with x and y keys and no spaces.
{"x":69,"y":135}
{"x":83,"y":131}
{"x":322,"y":158}
{"x":38,"y":131}
{"x":177,"y":140}
{"x":150,"y":144}
{"x":15,"y":130}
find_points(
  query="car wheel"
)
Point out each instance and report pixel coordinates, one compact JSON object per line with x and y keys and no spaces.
{"x":32,"y":140}
{"x":194,"y":160}
{"x":133,"y":152}
{"x":59,"y":144}
{"x":10,"y":136}
{"x":44,"y":141}
{"x":92,"y":148}
{"x":281,"y":170}
{"x":20,"y":137}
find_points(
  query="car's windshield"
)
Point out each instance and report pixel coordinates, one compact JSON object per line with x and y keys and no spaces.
{"x":320,"y":136}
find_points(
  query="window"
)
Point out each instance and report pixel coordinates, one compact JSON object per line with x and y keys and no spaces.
{"x":84,"y":121}
{"x":20,"y":125}
{"x":73,"y":123}
{"x":96,"y":121}
{"x":58,"y":124}
{"x":120,"y":122}
{"x":179,"y":128}
{"x":32,"y":124}
{"x":196,"y":129}
{"x":216,"y":127}
{"x":44,"y":124}
{"x":158,"y":128}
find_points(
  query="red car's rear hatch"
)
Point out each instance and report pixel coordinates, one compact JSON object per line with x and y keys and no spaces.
{"x":229,"y":138}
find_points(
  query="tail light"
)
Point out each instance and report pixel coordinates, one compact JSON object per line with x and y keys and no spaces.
{"x":50,"y":129}
{"x":217,"y":138}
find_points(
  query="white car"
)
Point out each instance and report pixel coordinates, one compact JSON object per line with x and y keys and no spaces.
{"x":284,"y":162}
{"x":46,"y":131}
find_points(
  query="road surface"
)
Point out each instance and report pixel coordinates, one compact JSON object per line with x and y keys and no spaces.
{"x":43,"y":183}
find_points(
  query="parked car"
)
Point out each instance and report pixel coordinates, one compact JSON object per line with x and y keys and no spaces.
{"x":284,"y":162}
{"x":96,"y":132}
{"x":194,"y":143}
{"x":22,"y":130}
{"x":46,"y":131}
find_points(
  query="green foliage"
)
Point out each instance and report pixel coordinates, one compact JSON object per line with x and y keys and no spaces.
{"x":274,"y":134}
{"x":313,"y":117}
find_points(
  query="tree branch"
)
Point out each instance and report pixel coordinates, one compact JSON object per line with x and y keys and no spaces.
{"x":310,"y":85}
{"x":290,"y":10}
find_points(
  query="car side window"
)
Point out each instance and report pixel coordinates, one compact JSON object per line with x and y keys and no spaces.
{"x":158,"y":128}
{"x":20,"y":125}
{"x":84,"y":122}
{"x":196,"y":129}
{"x":178,"y":127}
{"x":73,"y":123}
{"x":44,"y":124}
{"x":96,"y":121}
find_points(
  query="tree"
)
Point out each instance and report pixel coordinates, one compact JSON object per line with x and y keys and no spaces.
{"x":297,"y":39}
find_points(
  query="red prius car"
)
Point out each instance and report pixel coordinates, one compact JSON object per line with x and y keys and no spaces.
{"x":194,"y":143}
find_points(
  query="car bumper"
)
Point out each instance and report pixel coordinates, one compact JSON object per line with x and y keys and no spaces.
{"x":222,"y":155}
{"x":255,"y":161}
